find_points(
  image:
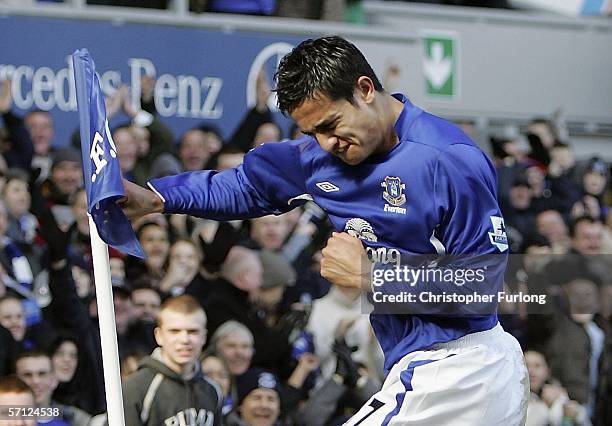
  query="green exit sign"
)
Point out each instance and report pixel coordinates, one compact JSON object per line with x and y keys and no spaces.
{"x":440,"y":64}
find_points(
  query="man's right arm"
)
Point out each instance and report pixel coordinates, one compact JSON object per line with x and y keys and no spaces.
{"x":269,"y":178}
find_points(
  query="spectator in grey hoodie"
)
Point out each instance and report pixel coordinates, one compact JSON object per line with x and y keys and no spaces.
{"x":169,"y":387}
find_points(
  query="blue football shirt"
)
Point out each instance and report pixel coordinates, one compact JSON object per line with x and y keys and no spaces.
{"x":434,"y":192}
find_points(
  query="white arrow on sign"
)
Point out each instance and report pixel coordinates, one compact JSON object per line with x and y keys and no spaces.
{"x":437,"y":68}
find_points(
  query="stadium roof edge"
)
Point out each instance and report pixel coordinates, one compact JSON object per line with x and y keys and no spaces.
{"x":224,"y":22}
{"x":381,"y":9}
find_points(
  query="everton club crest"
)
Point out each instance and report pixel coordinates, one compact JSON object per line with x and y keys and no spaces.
{"x":393,"y":194}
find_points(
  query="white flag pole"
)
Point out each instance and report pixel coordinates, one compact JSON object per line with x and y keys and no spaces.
{"x":108,"y":331}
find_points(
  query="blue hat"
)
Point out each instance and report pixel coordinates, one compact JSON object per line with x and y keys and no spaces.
{"x":256,"y":378}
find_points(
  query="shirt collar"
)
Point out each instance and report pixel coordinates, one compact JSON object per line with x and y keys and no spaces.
{"x":406,"y":117}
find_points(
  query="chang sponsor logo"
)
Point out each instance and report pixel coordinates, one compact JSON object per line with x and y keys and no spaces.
{"x":362,"y":229}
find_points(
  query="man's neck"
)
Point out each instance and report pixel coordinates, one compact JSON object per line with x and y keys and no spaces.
{"x":392,"y":110}
{"x":45,"y":402}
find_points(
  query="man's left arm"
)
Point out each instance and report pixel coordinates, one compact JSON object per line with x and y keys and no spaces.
{"x":270,"y":177}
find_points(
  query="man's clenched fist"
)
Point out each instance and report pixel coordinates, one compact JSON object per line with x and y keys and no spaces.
{"x":345,"y":262}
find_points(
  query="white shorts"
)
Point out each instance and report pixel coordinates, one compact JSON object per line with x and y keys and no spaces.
{"x":479,"y":379}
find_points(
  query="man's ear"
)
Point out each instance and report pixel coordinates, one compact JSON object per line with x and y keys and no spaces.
{"x":365,"y":88}
{"x":157,"y":334}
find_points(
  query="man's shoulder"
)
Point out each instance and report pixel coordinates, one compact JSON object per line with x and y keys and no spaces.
{"x":439,"y":134}
{"x":139,"y":380}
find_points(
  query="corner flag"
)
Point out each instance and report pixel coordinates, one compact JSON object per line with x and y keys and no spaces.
{"x":100,"y":163}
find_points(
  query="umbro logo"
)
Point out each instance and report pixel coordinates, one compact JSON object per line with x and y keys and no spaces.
{"x":327,"y":186}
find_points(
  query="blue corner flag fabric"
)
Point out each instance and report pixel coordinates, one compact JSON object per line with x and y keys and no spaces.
{"x":101,"y":171}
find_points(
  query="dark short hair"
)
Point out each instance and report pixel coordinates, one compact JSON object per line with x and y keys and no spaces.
{"x":17,"y":174}
{"x":32,"y":353}
{"x":534,"y":240}
{"x":60,"y":338}
{"x":577,"y":221}
{"x":210,"y":128}
{"x":328,"y":65}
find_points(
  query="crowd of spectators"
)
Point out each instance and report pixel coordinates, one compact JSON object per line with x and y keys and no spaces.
{"x":557,"y":217}
{"x":269,"y":337}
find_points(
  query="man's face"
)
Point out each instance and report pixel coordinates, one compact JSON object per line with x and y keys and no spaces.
{"x":194,"y":151}
{"x":23,"y":399}
{"x":583,"y":297}
{"x":79,"y":209}
{"x":65,"y":360}
{"x":186,"y":256}
{"x":251,"y":274}
{"x":127,"y":149}
{"x":594,"y":183}
{"x":181,"y":337}
{"x":536,"y":178}
{"x":237,"y":350}
{"x":520,"y":197}
{"x":123,"y":310}
{"x":261,"y":407}
{"x":538,"y":370}
{"x":269,"y":298}
{"x":141,"y":136}
{"x":117,"y":268}
{"x":563,"y":156}
{"x":588,"y":238}
{"x":40,"y":126}
{"x":551,"y":225}
{"x":269,"y":231}
{"x":67,"y":177}
{"x":146,"y":304}
{"x":13,"y":319}
{"x":154,"y":241}
{"x":350,"y":131}
{"x":17,"y":197}
{"x":82,"y":281}
{"x":38,"y":373}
